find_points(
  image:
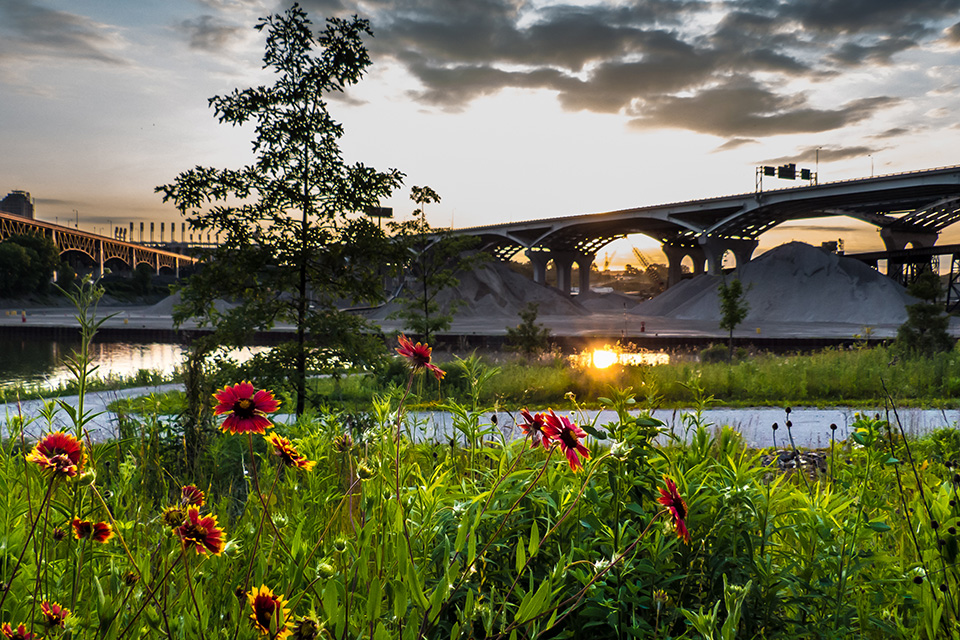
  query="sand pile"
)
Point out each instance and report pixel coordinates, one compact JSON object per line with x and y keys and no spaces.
{"x":496,"y":290}
{"x":794,"y":282}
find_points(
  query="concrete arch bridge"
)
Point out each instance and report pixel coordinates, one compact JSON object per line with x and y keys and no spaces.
{"x":99,"y":251}
{"x":908,"y":209}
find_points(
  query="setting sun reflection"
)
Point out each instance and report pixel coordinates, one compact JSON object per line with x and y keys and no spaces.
{"x":604,"y":358}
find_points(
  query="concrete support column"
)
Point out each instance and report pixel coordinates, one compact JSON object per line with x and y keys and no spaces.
{"x":675,"y":254}
{"x":714,"y":248}
{"x":176,"y":268}
{"x":100,"y":256}
{"x":895,"y":240}
{"x":584,"y":263}
{"x":539,"y":260}
{"x":563,"y":262}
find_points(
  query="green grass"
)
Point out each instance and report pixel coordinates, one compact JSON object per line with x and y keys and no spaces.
{"x":831,"y":377}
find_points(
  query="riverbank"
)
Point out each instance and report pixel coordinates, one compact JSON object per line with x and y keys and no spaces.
{"x":810,"y":426}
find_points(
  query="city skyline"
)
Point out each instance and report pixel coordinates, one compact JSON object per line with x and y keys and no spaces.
{"x":511,"y":110}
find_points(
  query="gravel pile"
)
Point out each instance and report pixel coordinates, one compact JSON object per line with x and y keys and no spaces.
{"x":794,"y":282}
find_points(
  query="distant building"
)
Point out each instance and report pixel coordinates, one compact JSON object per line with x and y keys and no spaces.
{"x":19,"y":203}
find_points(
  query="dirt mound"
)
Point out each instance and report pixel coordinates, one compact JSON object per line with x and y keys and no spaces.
{"x":496,"y":290}
{"x":794,"y":282}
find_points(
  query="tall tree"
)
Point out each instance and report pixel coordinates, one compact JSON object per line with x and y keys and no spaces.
{"x":295,"y":250}
{"x":925,"y":331}
{"x":733,"y":307}
{"x":433,"y":257}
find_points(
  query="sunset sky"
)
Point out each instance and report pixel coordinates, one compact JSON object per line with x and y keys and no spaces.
{"x":510,"y":109}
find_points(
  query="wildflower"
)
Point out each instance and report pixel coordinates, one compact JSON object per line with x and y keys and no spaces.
{"x":20,"y":633}
{"x":289,"y":456}
{"x":202,"y":533}
{"x":60,"y":453}
{"x":670,"y":498}
{"x":364,"y":472}
{"x":190,"y":496}
{"x":306,"y":629}
{"x":917,"y":579}
{"x":131,"y":578}
{"x":568,"y":436}
{"x":342,"y":443}
{"x":58,"y":534}
{"x":269,"y":613}
{"x":247,"y":409}
{"x":419,"y":356}
{"x":533,"y":426}
{"x":96,"y":531}
{"x":173,"y":517}
{"x":53,"y":614}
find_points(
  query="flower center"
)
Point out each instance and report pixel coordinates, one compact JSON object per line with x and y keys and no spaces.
{"x":264,"y":607}
{"x":243,"y":407}
{"x":568,"y":437}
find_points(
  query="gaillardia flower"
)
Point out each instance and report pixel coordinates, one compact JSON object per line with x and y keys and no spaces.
{"x":670,"y":498}
{"x":562,"y":430}
{"x":173,"y":517}
{"x":96,"y":531}
{"x":20,"y":633}
{"x":59,"y":453}
{"x":288,"y":454}
{"x":533,"y":426}
{"x":190,"y":496}
{"x":419,"y":356}
{"x":268,"y":613}
{"x":202,"y":533}
{"x":53,"y":614}
{"x":246,"y":408}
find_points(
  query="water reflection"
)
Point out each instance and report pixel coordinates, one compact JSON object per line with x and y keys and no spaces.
{"x":41,"y":362}
{"x":607,"y":357}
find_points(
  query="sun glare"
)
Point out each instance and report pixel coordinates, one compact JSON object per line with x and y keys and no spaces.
{"x":603,"y":358}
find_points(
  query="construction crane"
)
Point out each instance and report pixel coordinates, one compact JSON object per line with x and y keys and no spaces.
{"x":652,"y":273}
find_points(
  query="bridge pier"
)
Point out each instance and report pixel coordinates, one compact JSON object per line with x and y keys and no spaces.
{"x":895,"y":240}
{"x":539,"y":260}
{"x":714,"y":248}
{"x":675,"y":254}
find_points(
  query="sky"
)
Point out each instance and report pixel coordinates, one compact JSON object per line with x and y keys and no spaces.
{"x":509,"y":109}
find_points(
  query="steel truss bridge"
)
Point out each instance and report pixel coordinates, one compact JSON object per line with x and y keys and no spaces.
{"x":907,"y":208}
{"x":100,"y":250}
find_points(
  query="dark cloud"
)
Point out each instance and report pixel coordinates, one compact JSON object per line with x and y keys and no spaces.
{"x":894,"y":132}
{"x":659,"y":62}
{"x":810,"y":155}
{"x":734,"y":143}
{"x":745,"y":108}
{"x":952,"y":34}
{"x":861,"y":16}
{"x":29,"y":30}
{"x":208,"y":33}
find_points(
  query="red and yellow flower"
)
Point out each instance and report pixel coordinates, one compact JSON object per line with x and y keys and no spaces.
{"x":269,"y":613}
{"x":289,"y":456}
{"x":201,"y":533}
{"x":20,"y":633}
{"x":419,"y":356}
{"x":533,"y":426}
{"x":87,"y":530}
{"x":671,"y":499}
{"x":246,"y":408}
{"x":59,"y":453}
{"x":53,"y":614}
{"x":564,"y":432}
{"x":190,"y":496}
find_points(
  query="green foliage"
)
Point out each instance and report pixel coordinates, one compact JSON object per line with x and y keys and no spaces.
{"x":529,"y":337}
{"x":27,"y":264}
{"x":432,"y":260}
{"x":733,"y":306}
{"x":293,"y":249}
{"x":925,"y":331}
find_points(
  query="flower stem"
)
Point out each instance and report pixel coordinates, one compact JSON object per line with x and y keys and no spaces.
{"x":193,"y":595}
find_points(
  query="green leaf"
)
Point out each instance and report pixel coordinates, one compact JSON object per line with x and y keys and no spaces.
{"x":879,"y":525}
{"x":534,"y":544}
{"x":599,"y":435}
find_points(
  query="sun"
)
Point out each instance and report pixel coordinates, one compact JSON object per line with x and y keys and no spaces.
{"x":603,"y":358}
